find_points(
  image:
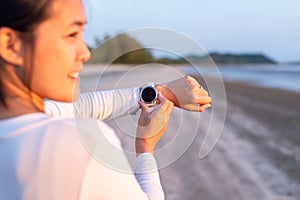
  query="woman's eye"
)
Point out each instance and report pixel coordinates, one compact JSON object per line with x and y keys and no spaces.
{"x":73,"y":34}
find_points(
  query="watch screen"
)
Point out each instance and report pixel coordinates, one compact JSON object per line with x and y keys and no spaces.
{"x":148,"y":94}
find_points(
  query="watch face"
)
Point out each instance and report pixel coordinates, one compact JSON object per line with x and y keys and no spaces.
{"x":149,"y":95}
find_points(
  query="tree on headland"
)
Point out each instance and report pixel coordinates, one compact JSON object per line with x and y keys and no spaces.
{"x":227,"y":59}
{"x":241,"y":58}
{"x":121,"y":49}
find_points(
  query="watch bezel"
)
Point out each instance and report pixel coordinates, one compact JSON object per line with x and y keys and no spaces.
{"x":149,"y":85}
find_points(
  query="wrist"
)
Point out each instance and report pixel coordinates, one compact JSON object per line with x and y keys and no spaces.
{"x":142,"y":146}
{"x":167,"y":93}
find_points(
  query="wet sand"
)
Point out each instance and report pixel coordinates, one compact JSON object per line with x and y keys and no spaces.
{"x":256,"y":157}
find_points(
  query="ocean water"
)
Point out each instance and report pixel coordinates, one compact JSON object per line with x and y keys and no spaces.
{"x":274,"y":76}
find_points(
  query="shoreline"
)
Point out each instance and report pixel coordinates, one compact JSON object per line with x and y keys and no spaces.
{"x":92,"y":69}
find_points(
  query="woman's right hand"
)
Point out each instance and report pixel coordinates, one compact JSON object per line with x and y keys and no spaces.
{"x":152,"y":125}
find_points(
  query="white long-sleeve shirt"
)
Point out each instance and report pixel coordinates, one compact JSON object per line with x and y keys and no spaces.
{"x":98,"y":181}
{"x":43,"y":157}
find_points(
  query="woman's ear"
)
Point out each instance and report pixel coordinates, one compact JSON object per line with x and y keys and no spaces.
{"x":11,"y":47}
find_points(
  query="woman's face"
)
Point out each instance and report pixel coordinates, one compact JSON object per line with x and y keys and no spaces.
{"x":59,"y":52}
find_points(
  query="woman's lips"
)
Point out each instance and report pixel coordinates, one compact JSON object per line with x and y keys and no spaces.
{"x":74,"y":75}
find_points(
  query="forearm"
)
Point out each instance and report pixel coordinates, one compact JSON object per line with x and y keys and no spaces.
{"x":102,"y":105}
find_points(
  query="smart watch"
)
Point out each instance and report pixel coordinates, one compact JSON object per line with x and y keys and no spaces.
{"x":148,"y":94}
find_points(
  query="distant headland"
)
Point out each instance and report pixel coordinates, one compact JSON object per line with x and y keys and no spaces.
{"x":228,"y":59}
{"x":112,"y":50}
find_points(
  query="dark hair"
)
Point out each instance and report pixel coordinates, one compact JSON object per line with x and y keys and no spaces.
{"x":23,"y":16}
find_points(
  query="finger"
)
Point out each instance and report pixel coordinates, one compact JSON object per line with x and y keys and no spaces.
{"x":164,"y":108}
{"x":165,"y":113}
{"x":144,"y":107}
{"x":203,"y":99}
{"x":164,"y":103}
{"x":169,"y":110}
{"x":144,"y":118}
{"x":203,"y":107}
{"x":144,"y":113}
{"x":161,"y":98}
{"x":198,"y":107}
{"x":169,"y":105}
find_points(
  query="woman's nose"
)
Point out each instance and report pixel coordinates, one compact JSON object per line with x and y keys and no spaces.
{"x":84,"y":53}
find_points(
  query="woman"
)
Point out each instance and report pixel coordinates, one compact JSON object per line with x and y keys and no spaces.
{"x":41,"y":50}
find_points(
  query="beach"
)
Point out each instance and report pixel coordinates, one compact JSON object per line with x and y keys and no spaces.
{"x":256,"y":157}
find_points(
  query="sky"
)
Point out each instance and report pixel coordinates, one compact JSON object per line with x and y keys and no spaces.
{"x":271,"y":27}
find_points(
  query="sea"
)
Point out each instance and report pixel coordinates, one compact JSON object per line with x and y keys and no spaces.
{"x":274,"y":76}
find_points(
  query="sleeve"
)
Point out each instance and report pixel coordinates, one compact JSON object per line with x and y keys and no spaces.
{"x":102,"y":105}
{"x":147,"y":175}
{"x":109,"y":174}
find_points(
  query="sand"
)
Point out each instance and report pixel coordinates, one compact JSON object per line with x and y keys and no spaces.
{"x":256,"y":157}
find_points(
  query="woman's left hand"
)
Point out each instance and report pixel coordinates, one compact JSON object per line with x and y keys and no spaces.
{"x":152,"y":125}
{"x":186,"y":93}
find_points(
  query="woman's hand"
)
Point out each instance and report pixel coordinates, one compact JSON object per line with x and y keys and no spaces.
{"x":186,"y":93}
{"x":152,"y":125}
